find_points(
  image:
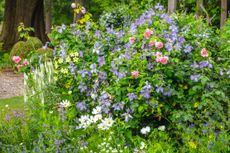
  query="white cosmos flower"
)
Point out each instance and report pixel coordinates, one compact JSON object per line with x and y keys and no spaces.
{"x":102,"y":126}
{"x":97,"y":117}
{"x":145,"y":130}
{"x":85,"y":121}
{"x":106,"y":123}
{"x":97,"y":110}
{"x":161,"y":128}
{"x":84,"y":118}
{"x":64,"y":104}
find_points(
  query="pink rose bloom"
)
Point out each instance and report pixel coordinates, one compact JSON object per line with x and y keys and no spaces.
{"x":204,"y":53}
{"x":151,"y":43}
{"x":132,"y":40}
{"x":19,"y":67}
{"x":26,"y":62}
{"x":135,"y":74}
{"x":148,"y":33}
{"x":159,"y":45}
{"x":158,"y":59}
{"x":164,"y":60}
{"x":16,"y":59}
{"x":158,"y":54}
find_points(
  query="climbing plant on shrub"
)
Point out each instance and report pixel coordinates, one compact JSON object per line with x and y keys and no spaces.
{"x":160,"y":70}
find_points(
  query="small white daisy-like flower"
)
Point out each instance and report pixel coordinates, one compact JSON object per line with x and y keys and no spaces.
{"x":97,"y":110}
{"x":102,"y":126}
{"x":65,"y":104}
{"x":106,"y":123}
{"x":97,"y":117}
{"x":145,"y":130}
{"x":161,"y":128}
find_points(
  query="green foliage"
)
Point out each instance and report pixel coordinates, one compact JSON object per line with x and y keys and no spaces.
{"x":62,"y":12}
{"x":2,"y":4}
{"x":225,"y":39}
{"x":20,"y":48}
{"x":35,"y":42}
{"x":23,"y":49}
{"x":24,"y":31}
{"x":5,"y":61}
{"x":117,"y":18}
{"x":84,"y":15}
{"x":44,"y":51}
{"x":8,"y":105}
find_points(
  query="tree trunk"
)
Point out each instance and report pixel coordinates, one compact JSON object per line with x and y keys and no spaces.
{"x":199,"y":3}
{"x":224,"y":11}
{"x":30,"y":13}
{"x":172,"y":4}
{"x":48,"y":15}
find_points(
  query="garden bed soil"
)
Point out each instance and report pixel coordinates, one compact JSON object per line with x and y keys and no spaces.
{"x":11,"y":84}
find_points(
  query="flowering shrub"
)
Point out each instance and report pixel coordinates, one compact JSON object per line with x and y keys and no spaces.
{"x":154,"y":86}
{"x":157,"y":72}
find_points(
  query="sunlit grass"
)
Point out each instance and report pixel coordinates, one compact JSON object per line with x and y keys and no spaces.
{"x":9,"y":105}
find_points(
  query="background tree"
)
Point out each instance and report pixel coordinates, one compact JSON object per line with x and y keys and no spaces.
{"x":199,"y":5}
{"x":29,"y":12}
{"x":48,"y":15}
{"x":224,"y":11}
{"x":172,"y":4}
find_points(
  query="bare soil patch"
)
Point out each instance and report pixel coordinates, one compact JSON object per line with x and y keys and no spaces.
{"x":11,"y":84}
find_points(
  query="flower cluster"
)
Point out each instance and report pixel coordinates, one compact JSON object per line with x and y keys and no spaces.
{"x":145,"y":130}
{"x":19,"y":62}
{"x":156,"y":69}
{"x":103,"y":123}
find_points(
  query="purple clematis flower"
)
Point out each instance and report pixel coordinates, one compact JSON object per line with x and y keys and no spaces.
{"x":195,"y":77}
{"x":118,"y":106}
{"x":81,"y":106}
{"x":132,"y":96}
{"x":101,"y":60}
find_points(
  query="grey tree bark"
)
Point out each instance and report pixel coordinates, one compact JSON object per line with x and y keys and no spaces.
{"x":48,"y":15}
{"x":224,"y":10}
{"x":172,"y":5}
{"x":199,"y":4}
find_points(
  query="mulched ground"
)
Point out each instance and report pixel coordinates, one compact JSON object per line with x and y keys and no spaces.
{"x":11,"y":84}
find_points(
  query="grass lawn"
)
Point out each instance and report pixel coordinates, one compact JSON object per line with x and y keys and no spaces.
{"x":7,"y":106}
